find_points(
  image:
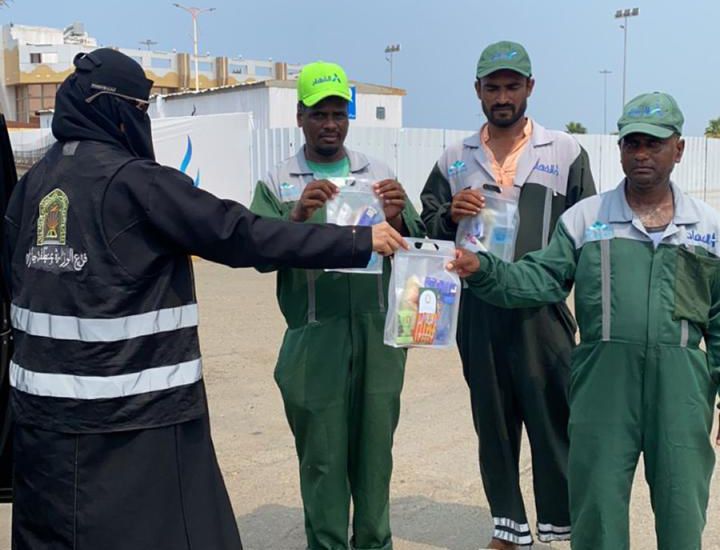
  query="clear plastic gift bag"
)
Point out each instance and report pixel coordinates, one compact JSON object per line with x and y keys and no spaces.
{"x":493,"y":229}
{"x":356,"y":204}
{"x":423,"y":298}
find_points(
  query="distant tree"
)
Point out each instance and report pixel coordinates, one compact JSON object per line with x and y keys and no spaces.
{"x":713,"y":128}
{"x":575,"y":128}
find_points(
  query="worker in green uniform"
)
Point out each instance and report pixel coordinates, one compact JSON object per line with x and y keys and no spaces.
{"x":516,"y":363}
{"x":644,"y":259}
{"x":340,"y":384}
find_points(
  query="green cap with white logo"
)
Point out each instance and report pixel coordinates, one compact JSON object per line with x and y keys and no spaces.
{"x":319,"y":80}
{"x":656,"y":114}
{"x":504,"y":55}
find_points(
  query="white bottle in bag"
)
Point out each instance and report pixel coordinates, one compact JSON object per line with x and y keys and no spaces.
{"x":494,"y":228}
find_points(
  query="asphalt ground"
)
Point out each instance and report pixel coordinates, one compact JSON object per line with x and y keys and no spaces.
{"x":437,"y":497}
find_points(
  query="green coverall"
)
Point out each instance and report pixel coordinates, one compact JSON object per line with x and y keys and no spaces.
{"x":340,"y":384}
{"x":639,"y":381}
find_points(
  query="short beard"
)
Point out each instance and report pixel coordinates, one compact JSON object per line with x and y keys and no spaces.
{"x":505,"y":122}
{"x":326,"y":151}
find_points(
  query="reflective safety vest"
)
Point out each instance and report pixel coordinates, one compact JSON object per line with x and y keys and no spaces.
{"x":97,"y":349}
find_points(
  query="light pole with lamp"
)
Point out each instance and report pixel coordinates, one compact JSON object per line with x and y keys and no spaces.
{"x":624,"y":14}
{"x":195,"y":13}
{"x":147,"y":43}
{"x":390,"y":50}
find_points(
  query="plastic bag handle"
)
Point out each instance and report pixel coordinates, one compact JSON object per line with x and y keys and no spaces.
{"x":430,"y":245}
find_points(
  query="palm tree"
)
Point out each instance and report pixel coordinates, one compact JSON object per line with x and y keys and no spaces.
{"x":713,"y":128}
{"x":575,"y":128}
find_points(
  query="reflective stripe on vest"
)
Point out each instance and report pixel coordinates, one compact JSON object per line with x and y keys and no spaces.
{"x":65,"y":327}
{"x":103,"y":387}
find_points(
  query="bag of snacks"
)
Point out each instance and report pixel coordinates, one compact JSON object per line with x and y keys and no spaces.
{"x":356,"y":204}
{"x":423,"y":298}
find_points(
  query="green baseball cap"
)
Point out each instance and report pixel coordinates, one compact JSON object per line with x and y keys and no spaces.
{"x":504,"y":55}
{"x":656,"y":114}
{"x":319,"y":80}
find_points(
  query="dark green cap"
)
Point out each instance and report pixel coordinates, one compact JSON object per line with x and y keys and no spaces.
{"x":656,"y":114}
{"x":504,"y":55}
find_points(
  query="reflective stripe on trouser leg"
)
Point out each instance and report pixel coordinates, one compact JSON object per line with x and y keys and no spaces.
{"x":511,"y":531}
{"x":547,"y":532}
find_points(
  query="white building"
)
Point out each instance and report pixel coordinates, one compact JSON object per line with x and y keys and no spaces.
{"x":36,"y":60}
{"x":273,"y":103}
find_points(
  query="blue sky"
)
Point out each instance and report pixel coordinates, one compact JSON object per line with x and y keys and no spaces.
{"x":672,"y":46}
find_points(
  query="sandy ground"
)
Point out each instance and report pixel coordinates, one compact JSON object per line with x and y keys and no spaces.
{"x":437,"y":496}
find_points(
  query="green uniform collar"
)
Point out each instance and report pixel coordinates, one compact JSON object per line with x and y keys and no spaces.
{"x":298,"y":166}
{"x":619,"y":210}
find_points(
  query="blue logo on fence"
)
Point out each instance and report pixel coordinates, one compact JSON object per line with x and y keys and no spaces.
{"x":186,"y":162}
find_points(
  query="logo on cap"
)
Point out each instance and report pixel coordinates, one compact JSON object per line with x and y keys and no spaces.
{"x":646,"y":111}
{"x":503,"y":56}
{"x":323,"y":79}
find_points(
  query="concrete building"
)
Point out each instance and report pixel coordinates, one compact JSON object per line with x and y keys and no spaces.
{"x":36,"y":60}
{"x":273,"y":103}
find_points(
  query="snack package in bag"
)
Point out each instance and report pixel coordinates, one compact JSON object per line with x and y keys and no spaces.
{"x":356,"y":204}
{"x":493,"y":229}
{"x":423,"y":297}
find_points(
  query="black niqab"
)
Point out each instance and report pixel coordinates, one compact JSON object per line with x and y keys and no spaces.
{"x":101,"y":120}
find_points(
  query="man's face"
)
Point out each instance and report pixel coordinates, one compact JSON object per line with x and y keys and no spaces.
{"x":325,"y":125}
{"x":649,"y":161}
{"x":503,"y":95}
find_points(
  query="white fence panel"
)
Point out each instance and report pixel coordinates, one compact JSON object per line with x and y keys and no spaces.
{"x":410,"y":152}
{"x":418,"y":150}
{"x":711,"y":192}
{"x":691,"y":173}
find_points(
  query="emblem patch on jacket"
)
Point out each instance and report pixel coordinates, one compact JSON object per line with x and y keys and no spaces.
{"x":52,"y":252}
{"x":599,"y":231}
{"x":289,"y":192}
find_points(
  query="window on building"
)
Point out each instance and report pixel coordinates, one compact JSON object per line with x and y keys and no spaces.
{"x":263,"y":71}
{"x":237,"y":69}
{"x":35,"y":58}
{"x":34,"y":97}
{"x":380,"y":113}
{"x":205,"y":66}
{"x":161,"y":63}
{"x":34,"y":90}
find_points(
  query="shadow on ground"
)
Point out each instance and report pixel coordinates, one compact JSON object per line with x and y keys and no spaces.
{"x":415,"y":519}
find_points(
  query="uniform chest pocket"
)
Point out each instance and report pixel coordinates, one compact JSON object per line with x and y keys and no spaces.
{"x":694,"y":276}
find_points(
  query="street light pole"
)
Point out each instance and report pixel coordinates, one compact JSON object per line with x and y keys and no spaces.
{"x":195,"y":13}
{"x":148,"y":43}
{"x":605,"y":74}
{"x":624,"y":14}
{"x":390,"y":50}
